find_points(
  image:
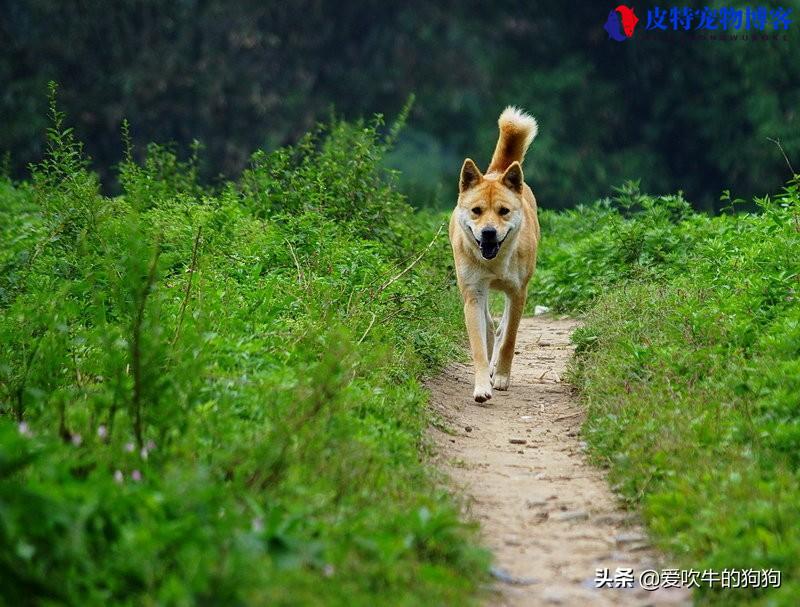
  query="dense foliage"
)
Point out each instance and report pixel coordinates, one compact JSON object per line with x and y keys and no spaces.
{"x":213,"y":397}
{"x":681,"y":113}
{"x":689,"y":363}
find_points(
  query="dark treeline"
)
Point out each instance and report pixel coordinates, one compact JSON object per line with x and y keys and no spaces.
{"x":677,"y":113}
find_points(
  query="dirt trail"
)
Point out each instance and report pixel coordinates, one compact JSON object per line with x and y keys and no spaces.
{"x":547,"y":514}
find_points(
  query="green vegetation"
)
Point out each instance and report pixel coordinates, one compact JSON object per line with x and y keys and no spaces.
{"x":213,"y":397}
{"x":689,"y":364}
{"x":678,"y":112}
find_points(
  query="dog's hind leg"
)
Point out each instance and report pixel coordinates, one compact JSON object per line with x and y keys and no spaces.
{"x":498,"y":337}
{"x":505,"y":353}
{"x":490,"y":339}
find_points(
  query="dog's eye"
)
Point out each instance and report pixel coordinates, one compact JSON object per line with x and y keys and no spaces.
{"x":504,"y":211}
{"x":476,"y":210}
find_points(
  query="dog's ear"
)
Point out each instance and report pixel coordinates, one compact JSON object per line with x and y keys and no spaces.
{"x":513,"y":178}
{"x":470,"y":176}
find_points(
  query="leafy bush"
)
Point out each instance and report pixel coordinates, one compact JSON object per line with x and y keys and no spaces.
{"x":212,"y":397}
{"x":591,"y":248}
{"x":689,"y":362}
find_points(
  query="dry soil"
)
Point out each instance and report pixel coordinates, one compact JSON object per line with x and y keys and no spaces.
{"x":547,"y":514}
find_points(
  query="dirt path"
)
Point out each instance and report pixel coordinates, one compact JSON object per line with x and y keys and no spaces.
{"x":547,"y":514}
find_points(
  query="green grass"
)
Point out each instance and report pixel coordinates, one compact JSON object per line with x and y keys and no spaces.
{"x":689,"y":364}
{"x":213,"y":397}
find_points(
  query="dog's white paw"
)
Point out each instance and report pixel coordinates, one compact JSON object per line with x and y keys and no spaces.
{"x":500,"y":381}
{"x":482,"y":393}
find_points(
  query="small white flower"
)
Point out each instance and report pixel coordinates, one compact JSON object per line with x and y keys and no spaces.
{"x":328,"y":570}
{"x":118,"y":476}
{"x":143,"y":453}
{"x":129,"y":447}
{"x":150,"y":445}
{"x":136,"y":475}
{"x":258,"y":524}
{"x":102,"y":431}
{"x":76,"y":439}
{"x":24,"y":429}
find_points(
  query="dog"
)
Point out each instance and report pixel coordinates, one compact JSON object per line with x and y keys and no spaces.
{"x":494,"y":233}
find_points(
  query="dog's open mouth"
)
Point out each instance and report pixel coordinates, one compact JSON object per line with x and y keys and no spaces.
{"x":490,"y":248}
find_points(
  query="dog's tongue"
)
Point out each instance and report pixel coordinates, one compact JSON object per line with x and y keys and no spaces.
{"x":489,"y":249}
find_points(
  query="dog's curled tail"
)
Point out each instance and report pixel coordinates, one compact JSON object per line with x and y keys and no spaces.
{"x":517,"y":130}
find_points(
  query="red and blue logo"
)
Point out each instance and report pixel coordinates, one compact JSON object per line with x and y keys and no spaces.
{"x":620,"y":23}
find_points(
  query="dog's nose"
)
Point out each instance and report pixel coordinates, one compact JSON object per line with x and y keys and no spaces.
{"x":488,"y":235}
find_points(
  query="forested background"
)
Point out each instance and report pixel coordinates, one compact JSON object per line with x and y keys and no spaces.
{"x":679,"y":114}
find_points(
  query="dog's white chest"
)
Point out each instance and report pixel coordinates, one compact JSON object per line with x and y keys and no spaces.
{"x":484,"y":274}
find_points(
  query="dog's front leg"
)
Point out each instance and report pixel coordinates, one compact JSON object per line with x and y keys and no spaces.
{"x":512,"y":316}
{"x":475,"y":317}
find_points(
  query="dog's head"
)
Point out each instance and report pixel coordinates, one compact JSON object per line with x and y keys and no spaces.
{"x":490,"y":207}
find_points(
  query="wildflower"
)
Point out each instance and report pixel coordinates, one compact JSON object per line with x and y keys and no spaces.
{"x":328,"y":570}
{"x":136,"y":475}
{"x":76,"y":439}
{"x":258,"y":524}
{"x":24,"y":429}
{"x":118,"y":476}
{"x":102,"y":431}
{"x":129,"y":447}
{"x":150,"y":445}
{"x":143,"y":453}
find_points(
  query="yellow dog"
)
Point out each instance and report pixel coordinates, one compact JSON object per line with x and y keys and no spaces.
{"x":494,"y":232}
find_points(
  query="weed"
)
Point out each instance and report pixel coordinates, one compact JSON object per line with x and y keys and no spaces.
{"x":688,"y":362}
{"x":213,"y":396}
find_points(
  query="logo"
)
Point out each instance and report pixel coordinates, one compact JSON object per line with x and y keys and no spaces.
{"x":620,"y":23}
{"x":723,"y":23}
{"x":725,"y":19}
